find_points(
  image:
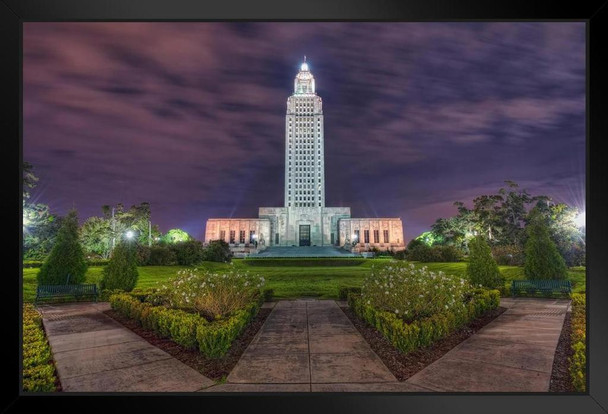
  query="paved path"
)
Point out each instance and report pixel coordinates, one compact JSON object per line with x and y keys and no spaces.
{"x":309,"y":345}
{"x":95,"y":353}
{"x":513,"y":353}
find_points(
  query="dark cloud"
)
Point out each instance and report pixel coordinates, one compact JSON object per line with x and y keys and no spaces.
{"x":190,"y":116}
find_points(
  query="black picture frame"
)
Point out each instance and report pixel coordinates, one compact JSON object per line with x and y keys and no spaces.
{"x":13,"y":13}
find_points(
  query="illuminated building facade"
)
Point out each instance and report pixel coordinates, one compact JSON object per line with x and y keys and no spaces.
{"x":304,"y":220}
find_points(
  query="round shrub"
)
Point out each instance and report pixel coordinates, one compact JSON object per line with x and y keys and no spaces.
{"x":66,"y":257}
{"x":413,"y":293}
{"x":217,"y":251}
{"x":448,"y":253}
{"x":482,"y":268}
{"x":422,"y":253}
{"x":212,"y":295}
{"x":188,"y":253}
{"x":543,"y":260}
{"x":161,"y":256}
{"x":143,"y":255}
{"x":121,"y":272}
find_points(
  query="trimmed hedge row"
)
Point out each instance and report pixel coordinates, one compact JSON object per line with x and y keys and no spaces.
{"x":189,"y":330}
{"x":303,"y":262}
{"x":37,"y":263}
{"x":578,"y":337}
{"x":421,"y":333}
{"x":343,"y":291}
{"x":38,"y":367}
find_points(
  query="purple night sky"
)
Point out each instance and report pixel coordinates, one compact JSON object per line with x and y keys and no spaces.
{"x":191,"y":116}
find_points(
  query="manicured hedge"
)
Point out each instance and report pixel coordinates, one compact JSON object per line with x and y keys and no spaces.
{"x":421,"y":333}
{"x":578,"y":337}
{"x":304,"y":262}
{"x":38,"y":367}
{"x":343,"y":291}
{"x":189,"y":330}
{"x":38,"y":263}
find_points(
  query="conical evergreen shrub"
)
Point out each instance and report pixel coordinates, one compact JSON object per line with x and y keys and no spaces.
{"x":482,"y":268}
{"x":543,"y":260}
{"x":66,"y":256}
{"x":121,"y":271}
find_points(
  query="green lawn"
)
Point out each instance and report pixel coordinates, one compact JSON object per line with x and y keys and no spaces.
{"x":291,"y":282}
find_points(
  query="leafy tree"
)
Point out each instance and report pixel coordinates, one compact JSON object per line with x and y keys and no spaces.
{"x":482,"y":268}
{"x":29,"y":179}
{"x":121,"y":272}
{"x":95,"y":236}
{"x":40,"y":227}
{"x":66,"y":257}
{"x":430,"y":238}
{"x":543,"y":260}
{"x":176,"y":236}
{"x":217,"y":251}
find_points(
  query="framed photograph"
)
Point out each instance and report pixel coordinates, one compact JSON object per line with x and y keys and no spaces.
{"x":373,"y":208}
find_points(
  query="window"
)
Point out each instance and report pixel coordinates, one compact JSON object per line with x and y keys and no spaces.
{"x":242,"y":236}
{"x":376,"y":236}
{"x":366,"y":236}
{"x":385,"y":236}
{"x":251,"y":236}
{"x":357,"y":239}
{"x":223,"y":235}
{"x":232,"y":236}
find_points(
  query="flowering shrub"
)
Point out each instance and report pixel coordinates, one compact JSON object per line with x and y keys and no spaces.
{"x":38,"y":367}
{"x":578,"y":337}
{"x":407,"y":337}
{"x":412,"y":293}
{"x":213,"y":295}
{"x":189,"y":330}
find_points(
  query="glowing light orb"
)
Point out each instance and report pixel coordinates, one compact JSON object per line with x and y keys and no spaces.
{"x":579,"y":220}
{"x":129,"y":234}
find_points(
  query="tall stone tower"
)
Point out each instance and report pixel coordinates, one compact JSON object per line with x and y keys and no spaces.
{"x":304,"y":220}
{"x":304,"y":153}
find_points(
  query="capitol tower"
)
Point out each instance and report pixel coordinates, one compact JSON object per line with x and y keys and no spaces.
{"x":304,"y":225}
{"x":304,"y":164}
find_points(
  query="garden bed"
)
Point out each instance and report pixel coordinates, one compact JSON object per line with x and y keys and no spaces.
{"x":561,"y":380}
{"x":404,"y":365}
{"x":39,"y":373}
{"x":215,"y":368}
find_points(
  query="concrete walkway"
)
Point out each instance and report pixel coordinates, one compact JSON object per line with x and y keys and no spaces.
{"x":94,"y":353}
{"x":309,"y":345}
{"x":513,"y":353}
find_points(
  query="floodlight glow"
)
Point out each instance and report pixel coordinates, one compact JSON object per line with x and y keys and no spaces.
{"x":579,"y":220}
{"x":304,"y":66}
{"x":129,"y":234}
{"x":354,"y":236}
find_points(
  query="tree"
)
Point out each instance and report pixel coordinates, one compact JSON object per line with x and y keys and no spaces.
{"x":40,"y":227}
{"x":96,"y":235}
{"x":66,"y":257}
{"x":121,"y":272}
{"x":29,"y":179}
{"x":482,"y":268}
{"x":176,"y":236}
{"x":543,"y":260}
{"x":217,"y":251}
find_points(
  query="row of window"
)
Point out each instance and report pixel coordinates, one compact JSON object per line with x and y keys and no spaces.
{"x":303,"y":204}
{"x":376,"y":234}
{"x":232,"y":240}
